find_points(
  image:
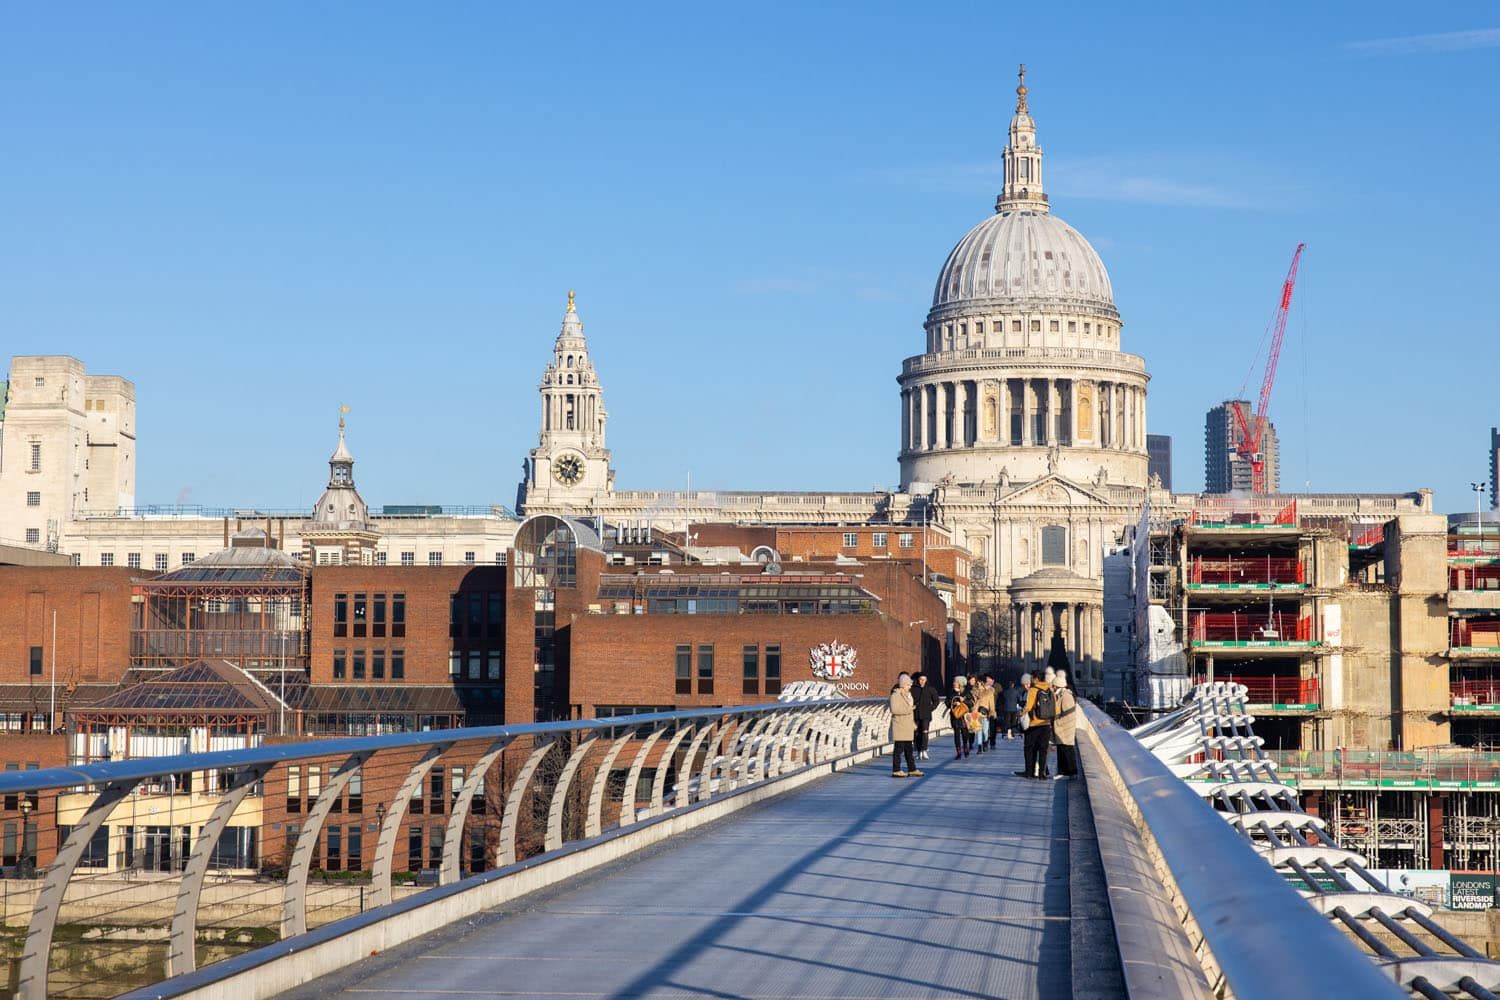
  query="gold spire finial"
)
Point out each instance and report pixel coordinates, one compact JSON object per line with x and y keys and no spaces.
{"x":1021,"y":91}
{"x":570,"y":301}
{"x":342,"y":410}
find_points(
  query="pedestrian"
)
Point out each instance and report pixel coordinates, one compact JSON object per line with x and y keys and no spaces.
{"x":992,"y":725}
{"x":927,"y":698}
{"x":958,"y":716}
{"x":984,"y":704}
{"x":1010,"y":700}
{"x":1065,"y":728}
{"x":1039,"y":712}
{"x":903,"y":728}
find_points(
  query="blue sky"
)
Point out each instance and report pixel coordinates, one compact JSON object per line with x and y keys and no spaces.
{"x":258,"y":213}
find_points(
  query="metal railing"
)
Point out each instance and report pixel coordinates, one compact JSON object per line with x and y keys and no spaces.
{"x":1273,"y":690}
{"x":1388,"y":768}
{"x":157,"y":866}
{"x":1238,"y":850}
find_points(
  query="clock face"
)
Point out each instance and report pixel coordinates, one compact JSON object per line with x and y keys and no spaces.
{"x":568,"y":470}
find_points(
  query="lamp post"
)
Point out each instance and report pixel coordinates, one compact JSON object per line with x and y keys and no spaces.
{"x":1478,"y":489}
{"x":27,"y":861}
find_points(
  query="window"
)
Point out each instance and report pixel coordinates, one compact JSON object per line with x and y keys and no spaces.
{"x":1036,"y":326}
{"x":475,"y":662}
{"x":293,"y":793}
{"x":469,"y":558}
{"x":377,"y":664}
{"x":435,"y":792}
{"x":160,"y":562}
{"x":356,"y":848}
{"x":1015,"y":325}
{"x":335,"y":849}
{"x":36,"y":457}
{"x":409,"y":559}
{"x":377,"y":623}
{"x":455,"y":664}
{"x":361,"y":615}
{"x":359,"y":665}
{"x":705,"y":670}
{"x":414,"y":847}
{"x":33,"y":498}
{"x":878,"y":539}
{"x":494,"y":616}
{"x":476,"y":613}
{"x":106,"y":559}
{"x":1053,"y":326}
{"x":339,"y":659}
{"x":850,"y":539}
{"x":380,"y":558}
{"x":684,"y":669}
{"x":133,"y":560}
{"x":434,"y":558}
{"x":36,"y":661}
{"x":905,"y":539}
{"x":187,"y":558}
{"x":435,"y":845}
{"x":340,"y":615}
{"x":492,"y":671}
{"x":773,"y":668}
{"x":33,"y":535}
{"x":398,"y":616}
{"x":751,"y":660}
{"x":39,"y":381}
{"x":398,"y":664}
{"x":1088,"y":328}
{"x":1072,"y":326}
{"x":1054,"y":545}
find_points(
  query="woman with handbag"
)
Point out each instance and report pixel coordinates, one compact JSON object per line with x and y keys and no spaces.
{"x":903,"y":728}
{"x":959,"y":708}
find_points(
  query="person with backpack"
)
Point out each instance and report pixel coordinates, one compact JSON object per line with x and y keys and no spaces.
{"x":1065,"y":728}
{"x":1039,"y":712}
{"x":926,"y":698}
{"x":903,"y":728}
{"x":1010,"y":700}
{"x":959,"y":708}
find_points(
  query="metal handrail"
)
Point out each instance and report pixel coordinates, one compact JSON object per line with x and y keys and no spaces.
{"x":1263,"y":937}
{"x":730,"y":748}
{"x":46,"y":779}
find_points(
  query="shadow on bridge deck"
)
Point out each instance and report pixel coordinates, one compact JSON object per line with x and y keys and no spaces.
{"x":860,"y":885}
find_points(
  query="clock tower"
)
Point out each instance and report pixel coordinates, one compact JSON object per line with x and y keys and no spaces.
{"x":570,"y":466}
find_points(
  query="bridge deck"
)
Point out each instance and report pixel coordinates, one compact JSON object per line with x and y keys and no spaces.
{"x":860,"y":885}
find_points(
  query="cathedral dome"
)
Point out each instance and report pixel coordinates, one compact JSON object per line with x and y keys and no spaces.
{"x":1023,"y":255}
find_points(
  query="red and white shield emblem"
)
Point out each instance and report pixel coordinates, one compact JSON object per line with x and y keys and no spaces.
{"x":832,"y":661}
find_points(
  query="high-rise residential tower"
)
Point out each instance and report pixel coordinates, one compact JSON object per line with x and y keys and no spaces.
{"x":1224,"y":470}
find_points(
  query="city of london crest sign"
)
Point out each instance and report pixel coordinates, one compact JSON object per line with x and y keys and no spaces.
{"x":833,"y":661}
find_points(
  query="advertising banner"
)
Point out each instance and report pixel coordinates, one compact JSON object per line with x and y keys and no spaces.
{"x":1471,"y":890}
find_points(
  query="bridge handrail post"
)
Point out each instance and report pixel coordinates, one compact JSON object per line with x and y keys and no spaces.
{"x":294,"y":896}
{"x":594,"y":817}
{"x":554,"y":838}
{"x":633,"y":780}
{"x":473,"y":785}
{"x":390,"y":826}
{"x":182,"y":943}
{"x":511,"y":817}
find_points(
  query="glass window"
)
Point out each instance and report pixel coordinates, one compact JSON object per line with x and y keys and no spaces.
{"x":398,"y":615}
{"x":434,"y":558}
{"x":474,"y":664}
{"x":33,"y":498}
{"x":850,"y":539}
{"x":905,"y":539}
{"x":455,"y":664}
{"x":751,"y":659}
{"x":188,"y":558}
{"x":361,"y":614}
{"x":773,"y":668}
{"x":878,"y":539}
{"x":495,"y":614}
{"x":33,"y":535}
{"x":493,"y":671}
{"x":684,"y":669}
{"x":133,"y":560}
{"x":414,"y":848}
{"x":359,"y":665}
{"x":705,"y":670}
{"x":377,"y":664}
{"x":476,"y":612}
{"x":398,"y":664}
{"x":339,"y":660}
{"x":36,"y":661}
{"x":106,"y":559}
{"x":356,"y":848}
{"x":160,"y":561}
{"x":340,"y":615}
{"x":409,"y":559}
{"x":469,"y":558}
{"x":377,"y":616}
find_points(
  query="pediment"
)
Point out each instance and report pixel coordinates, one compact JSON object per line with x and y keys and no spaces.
{"x":1054,"y":491}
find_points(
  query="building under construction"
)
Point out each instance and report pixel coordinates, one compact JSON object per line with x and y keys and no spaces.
{"x":1368,"y":645}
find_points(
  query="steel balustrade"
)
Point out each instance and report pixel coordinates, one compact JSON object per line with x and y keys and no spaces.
{"x":706,"y":753}
{"x":1234,"y":865}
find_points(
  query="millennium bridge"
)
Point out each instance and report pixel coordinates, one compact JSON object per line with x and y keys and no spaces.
{"x":759,"y":851}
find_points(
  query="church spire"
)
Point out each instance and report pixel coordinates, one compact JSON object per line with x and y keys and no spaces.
{"x":1022,"y":191}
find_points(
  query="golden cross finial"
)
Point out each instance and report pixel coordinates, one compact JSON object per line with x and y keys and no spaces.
{"x":570,"y":301}
{"x":342,"y":410}
{"x":1021,"y":90}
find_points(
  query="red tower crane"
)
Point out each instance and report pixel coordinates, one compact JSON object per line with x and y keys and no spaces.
{"x":1252,"y":430}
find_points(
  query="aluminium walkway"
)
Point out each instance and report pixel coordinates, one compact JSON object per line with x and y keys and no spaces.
{"x":957,"y":884}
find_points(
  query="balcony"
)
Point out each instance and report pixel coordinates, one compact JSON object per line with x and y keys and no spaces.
{"x":1270,"y":573}
{"x":1474,"y":639}
{"x":1276,"y":693}
{"x":1388,"y":769}
{"x":1475,"y":695}
{"x":1251,"y":629}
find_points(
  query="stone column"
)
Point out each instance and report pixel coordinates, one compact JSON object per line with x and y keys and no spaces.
{"x":1120,"y":417}
{"x":964,"y":398}
{"x":924,"y":432}
{"x":941,"y":397}
{"x":1002,"y":411}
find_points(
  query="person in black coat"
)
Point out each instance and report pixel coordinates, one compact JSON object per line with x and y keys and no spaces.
{"x":927,"y":698}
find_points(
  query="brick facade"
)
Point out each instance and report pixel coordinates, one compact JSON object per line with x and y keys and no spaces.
{"x":93,"y":623}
